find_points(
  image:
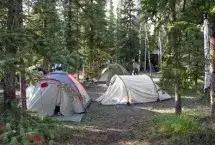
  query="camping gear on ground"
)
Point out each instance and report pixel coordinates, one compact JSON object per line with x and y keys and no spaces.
{"x":57,"y":67}
{"x":110,"y":71}
{"x":131,"y":89}
{"x":136,"y":68}
{"x":58,"y":89}
{"x":155,"y":68}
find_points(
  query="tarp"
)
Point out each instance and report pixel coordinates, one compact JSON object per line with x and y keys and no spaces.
{"x":132,"y":89}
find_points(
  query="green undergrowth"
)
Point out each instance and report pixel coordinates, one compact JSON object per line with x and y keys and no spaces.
{"x":21,"y":128}
{"x":179,"y":125}
{"x":181,"y":130}
{"x":204,"y":136}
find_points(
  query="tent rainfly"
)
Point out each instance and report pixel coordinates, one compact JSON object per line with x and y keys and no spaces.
{"x":110,"y":71}
{"x":132,"y":89}
{"x":58,"y":89}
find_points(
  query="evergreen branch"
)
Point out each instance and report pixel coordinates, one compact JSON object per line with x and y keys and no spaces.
{"x":82,"y":8}
{"x":3,"y":3}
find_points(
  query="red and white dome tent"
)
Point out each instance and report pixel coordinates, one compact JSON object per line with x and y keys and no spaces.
{"x":58,"y":89}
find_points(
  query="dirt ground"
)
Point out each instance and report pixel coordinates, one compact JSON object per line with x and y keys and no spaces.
{"x":124,"y":125}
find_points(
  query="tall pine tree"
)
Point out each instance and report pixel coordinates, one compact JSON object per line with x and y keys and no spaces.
{"x":128,"y":40}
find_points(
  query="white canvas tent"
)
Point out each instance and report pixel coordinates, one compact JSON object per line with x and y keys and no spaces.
{"x":132,"y":89}
{"x":58,"y":89}
{"x":110,"y":71}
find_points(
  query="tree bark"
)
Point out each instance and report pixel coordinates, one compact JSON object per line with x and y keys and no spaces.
{"x":178,"y":108}
{"x":184,"y":4}
{"x":207,"y":55}
{"x":91,"y":47}
{"x":14,"y":22}
{"x":91,"y":44}
{"x":69,"y":26}
{"x":212,"y":70}
{"x":9,"y":88}
{"x":23,"y":86}
{"x":14,"y":14}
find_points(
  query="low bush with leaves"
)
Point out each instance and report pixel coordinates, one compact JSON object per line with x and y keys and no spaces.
{"x":23,"y":128}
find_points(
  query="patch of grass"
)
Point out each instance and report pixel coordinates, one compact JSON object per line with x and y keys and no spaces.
{"x":199,"y":111}
{"x":181,"y":130}
{"x":204,"y":136}
{"x":169,"y":125}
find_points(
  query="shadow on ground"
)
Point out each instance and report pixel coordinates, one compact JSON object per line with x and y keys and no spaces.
{"x":109,"y":125}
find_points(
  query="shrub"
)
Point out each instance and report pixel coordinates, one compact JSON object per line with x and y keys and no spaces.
{"x":22,"y":128}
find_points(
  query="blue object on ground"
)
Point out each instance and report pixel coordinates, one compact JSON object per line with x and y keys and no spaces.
{"x":121,"y":105}
{"x":156,"y":68}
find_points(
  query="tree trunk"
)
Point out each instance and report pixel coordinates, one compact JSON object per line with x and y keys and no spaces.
{"x":160,"y":49}
{"x":14,"y":22}
{"x":184,"y":4}
{"x":69,"y":26}
{"x":175,"y":49}
{"x":207,"y":55}
{"x":212,"y":70}
{"x":178,"y":108}
{"x":9,"y":88}
{"x":145,"y":53}
{"x":23,"y":86}
{"x":91,"y":45}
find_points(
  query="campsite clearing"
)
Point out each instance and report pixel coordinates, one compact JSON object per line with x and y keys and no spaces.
{"x":125,"y":125}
